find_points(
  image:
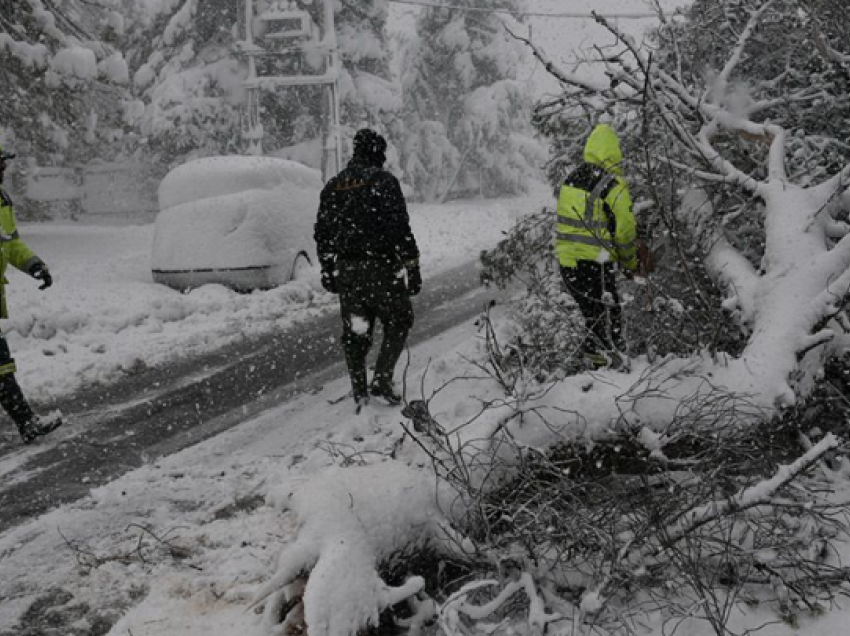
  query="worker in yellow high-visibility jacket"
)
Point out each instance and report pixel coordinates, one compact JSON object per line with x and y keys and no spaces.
{"x":597,"y":232}
{"x":13,"y":251}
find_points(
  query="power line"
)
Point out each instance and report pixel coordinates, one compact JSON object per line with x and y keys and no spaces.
{"x":534,"y":14}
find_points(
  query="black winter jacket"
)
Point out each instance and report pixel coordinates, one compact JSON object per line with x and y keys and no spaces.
{"x":363,"y":216}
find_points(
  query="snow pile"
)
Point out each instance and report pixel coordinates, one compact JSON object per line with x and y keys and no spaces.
{"x":347,"y":528}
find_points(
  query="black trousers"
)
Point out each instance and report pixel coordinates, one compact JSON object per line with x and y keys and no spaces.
{"x":11,"y":397}
{"x":594,"y":288}
{"x":369,"y":292}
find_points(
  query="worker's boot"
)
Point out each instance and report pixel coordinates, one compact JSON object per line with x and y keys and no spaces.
{"x":40,"y":425}
{"x":30,"y":426}
{"x":383,"y":389}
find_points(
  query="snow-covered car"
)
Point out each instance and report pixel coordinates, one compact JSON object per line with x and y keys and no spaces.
{"x":243,"y":222}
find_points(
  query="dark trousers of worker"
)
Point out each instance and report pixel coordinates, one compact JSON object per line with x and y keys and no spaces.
{"x":594,"y":288}
{"x":370,"y":292}
{"x":11,"y":397}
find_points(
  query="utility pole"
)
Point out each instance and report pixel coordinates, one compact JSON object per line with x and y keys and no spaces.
{"x":281,"y":28}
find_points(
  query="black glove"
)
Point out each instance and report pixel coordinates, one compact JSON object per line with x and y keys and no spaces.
{"x":40,"y":272}
{"x":329,"y":281}
{"x":327,"y":262}
{"x":646,"y":259}
{"x":414,"y":277}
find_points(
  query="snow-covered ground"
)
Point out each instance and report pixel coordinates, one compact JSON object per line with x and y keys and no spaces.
{"x":183,"y":544}
{"x":103,"y":317}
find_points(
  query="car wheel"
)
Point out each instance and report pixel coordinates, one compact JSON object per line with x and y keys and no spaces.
{"x":301,"y":266}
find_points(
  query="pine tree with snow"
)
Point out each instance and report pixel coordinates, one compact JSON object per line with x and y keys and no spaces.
{"x":60,"y":78}
{"x":467,"y":116}
{"x":370,"y":95}
{"x":187,"y":84}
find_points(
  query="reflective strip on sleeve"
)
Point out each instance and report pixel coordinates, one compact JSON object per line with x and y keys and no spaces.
{"x":5,"y":238}
{"x":7,"y":368}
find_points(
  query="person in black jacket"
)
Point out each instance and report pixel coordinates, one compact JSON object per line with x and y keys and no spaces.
{"x":368,"y":256}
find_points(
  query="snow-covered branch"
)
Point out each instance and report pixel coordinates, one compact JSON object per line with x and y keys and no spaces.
{"x":572,"y":79}
{"x":751,"y":497}
{"x":718,"y":92}
{"x":842,"y":60}
{"x":347,"y":531}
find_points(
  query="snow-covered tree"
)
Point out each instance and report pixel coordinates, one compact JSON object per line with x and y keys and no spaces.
{"x":370,"y":95}
{"x":748,"y":108}
{"x":467,"y":116}
{"x":188,"y":85}
{"x":60,"y":78}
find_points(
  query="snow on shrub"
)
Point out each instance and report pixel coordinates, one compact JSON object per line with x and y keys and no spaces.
{"x":75,"y":61}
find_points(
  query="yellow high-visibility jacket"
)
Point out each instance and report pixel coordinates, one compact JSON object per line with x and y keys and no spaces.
{"x":595,"y":217}
{"x":12,"y":249}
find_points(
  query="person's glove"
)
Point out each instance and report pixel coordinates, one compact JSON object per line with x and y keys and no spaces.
{"x":414,"y":277}
{"x":40,"y":272}
{"x":328,"y":266}
{"x":646,"y":259}
{"x":329,"y":280}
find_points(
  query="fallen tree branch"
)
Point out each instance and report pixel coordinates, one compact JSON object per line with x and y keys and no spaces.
{"x":761,"y":493}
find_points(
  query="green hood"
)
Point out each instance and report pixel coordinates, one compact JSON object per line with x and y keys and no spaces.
{"x":603,"y":149}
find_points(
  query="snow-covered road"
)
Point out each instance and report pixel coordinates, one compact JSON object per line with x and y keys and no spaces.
{"x":65,"y":572}
{"x":165,"y":409}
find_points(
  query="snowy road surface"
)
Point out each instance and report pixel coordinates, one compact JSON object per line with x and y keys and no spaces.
{"x":163,"y":410}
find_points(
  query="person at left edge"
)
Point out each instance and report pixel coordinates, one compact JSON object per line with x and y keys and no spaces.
{"x":369,"y":257}
{"x":15,"y":252}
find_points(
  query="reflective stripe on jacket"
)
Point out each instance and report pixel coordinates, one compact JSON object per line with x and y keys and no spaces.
{"x":595,"y":217}
{"x":12,"y":249}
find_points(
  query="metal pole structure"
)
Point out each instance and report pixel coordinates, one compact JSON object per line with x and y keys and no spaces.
{"x":255,"y":85}
{"x":254,"y":126}
{"x":332,"y":163}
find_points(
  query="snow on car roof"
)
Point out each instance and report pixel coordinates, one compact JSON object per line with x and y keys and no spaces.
{"x":219,"y":176}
